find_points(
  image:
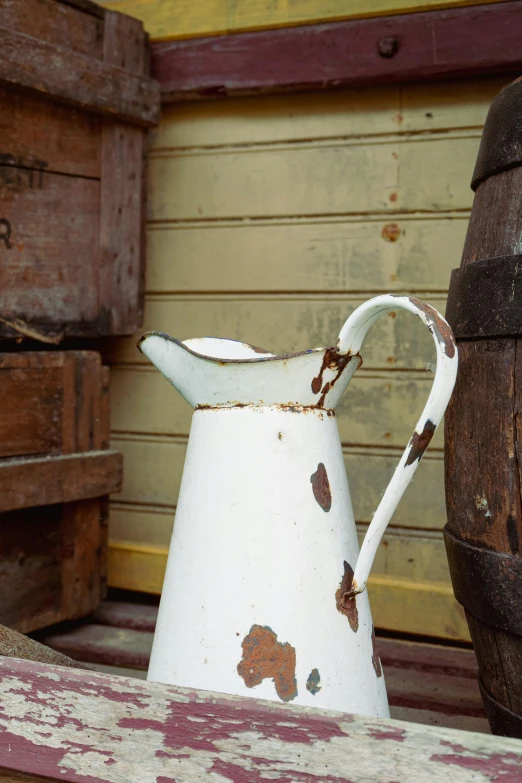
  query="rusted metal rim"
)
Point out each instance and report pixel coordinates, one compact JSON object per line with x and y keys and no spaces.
{"x":502,"y":720}
{"x":501,"y":143}
{"x":218,"y":360}
{"x":485,"y":298}
{"x":487,"y":584}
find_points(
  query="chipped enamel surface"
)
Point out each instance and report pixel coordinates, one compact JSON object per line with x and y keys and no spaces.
{"x":82,"y":727}
{"x":264,"y":581}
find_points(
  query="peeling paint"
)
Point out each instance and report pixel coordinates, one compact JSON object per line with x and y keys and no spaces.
{"x":395,"y":734}
{"x":265,"y":657}
{"x":321,"y":487}
{"x":346,"y":598}
{"x":335,"y":361}
{"x":420,"y":442}
{"x":376,"y":661}
{"x":312,"y":683}
{"x":240,"y":739}
{"x":437,"y":326}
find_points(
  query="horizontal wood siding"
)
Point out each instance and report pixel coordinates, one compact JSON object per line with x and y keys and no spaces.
{"x":167,"y":20}
{"x":270,"y":220}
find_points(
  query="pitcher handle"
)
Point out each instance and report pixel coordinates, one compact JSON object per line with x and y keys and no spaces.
{"x":350,"y":341}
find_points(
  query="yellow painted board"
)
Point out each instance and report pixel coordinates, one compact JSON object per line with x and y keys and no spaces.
{"x":379,"y":408}
{"x":174,"y":19}
{"x":423,"y":608}
{"x":341,"y":113}
{"x":388,"y":253}
{"x":412,"y":604}
{"x":427,"y":173}
{"x":154,"y":466}
{"x":284,"y":324}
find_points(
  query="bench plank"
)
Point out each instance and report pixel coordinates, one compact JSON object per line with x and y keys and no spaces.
{"x":67,"y":724}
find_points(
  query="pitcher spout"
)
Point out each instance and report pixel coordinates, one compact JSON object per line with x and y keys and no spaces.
{"x":214,"y":372}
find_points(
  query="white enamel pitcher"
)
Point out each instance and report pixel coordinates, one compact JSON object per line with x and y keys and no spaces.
{"x":265,"y":589}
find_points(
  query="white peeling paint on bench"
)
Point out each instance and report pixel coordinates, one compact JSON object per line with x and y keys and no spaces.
{"x":72,"y":725}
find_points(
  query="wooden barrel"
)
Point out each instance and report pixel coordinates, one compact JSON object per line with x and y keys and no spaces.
{"x":484,"y":421}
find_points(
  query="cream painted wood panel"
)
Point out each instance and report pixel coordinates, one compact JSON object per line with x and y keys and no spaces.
{"x":368,"y":111}
{"x":284,"y":324}
{"x":379,"y":408}
{"x":154,"y":466}
{"x":389,"y":253}
{"x":423,"y":173}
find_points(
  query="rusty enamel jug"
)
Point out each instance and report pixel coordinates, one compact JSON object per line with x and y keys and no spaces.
{"x":265,"y":589}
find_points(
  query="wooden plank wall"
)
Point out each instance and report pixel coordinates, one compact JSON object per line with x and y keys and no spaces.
{"x":167,"y":20}
{"x":270,"y":220}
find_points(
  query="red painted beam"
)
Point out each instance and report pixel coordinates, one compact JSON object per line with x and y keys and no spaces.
{"x":457,"y":42}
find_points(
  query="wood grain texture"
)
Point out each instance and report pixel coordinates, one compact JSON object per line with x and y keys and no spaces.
{"x":49,"y":268}
{"x":53,"y":556}
{"x":47,"y":480}
{"x":482,"y":442}
{"x":164,"y":740}
{"x":72,"y":246}
{"x":56,"y":23}
{"x":422,"y":46}
{"x":16,"y":645}
{"x":34,"y":64}
{"x":483,"y":488}
{"x":45,"y":136}
{"x":122,"y":198}
{"x":165,"y":21}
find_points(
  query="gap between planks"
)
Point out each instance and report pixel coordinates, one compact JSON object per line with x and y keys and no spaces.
{"x":291,"y":220}
{"x":312,"y":217}
{"x":316,"y":143}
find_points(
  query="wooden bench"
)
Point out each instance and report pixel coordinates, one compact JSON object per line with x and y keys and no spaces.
{"x":59,"y":723}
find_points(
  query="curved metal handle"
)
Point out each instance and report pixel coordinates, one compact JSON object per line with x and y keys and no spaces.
{"x":350,"y":340}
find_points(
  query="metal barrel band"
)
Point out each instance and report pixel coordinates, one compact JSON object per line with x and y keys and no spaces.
{"x":502,"y":720}
{"x":501,"y":144}
{"x":485,"y":298}
{"x":487,"y":584}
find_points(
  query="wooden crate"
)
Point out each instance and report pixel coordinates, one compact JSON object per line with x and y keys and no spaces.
{"x":76,"y":105}
{"x":56,"y":471}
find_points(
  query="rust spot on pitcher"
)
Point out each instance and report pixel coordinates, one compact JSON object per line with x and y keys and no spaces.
{"x":332,"y":360}
{"x":375,"y":655}
{"x":321,"y":487}
{"x":419,"y":443}
{"x":346,"y":598}
{"x":438,"y":327}
{"x":312,"y":683}
{"x":265,"y":657}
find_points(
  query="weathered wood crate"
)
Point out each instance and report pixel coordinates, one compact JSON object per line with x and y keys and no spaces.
{"x":56,"y":471}
{"x":76,"y":105}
